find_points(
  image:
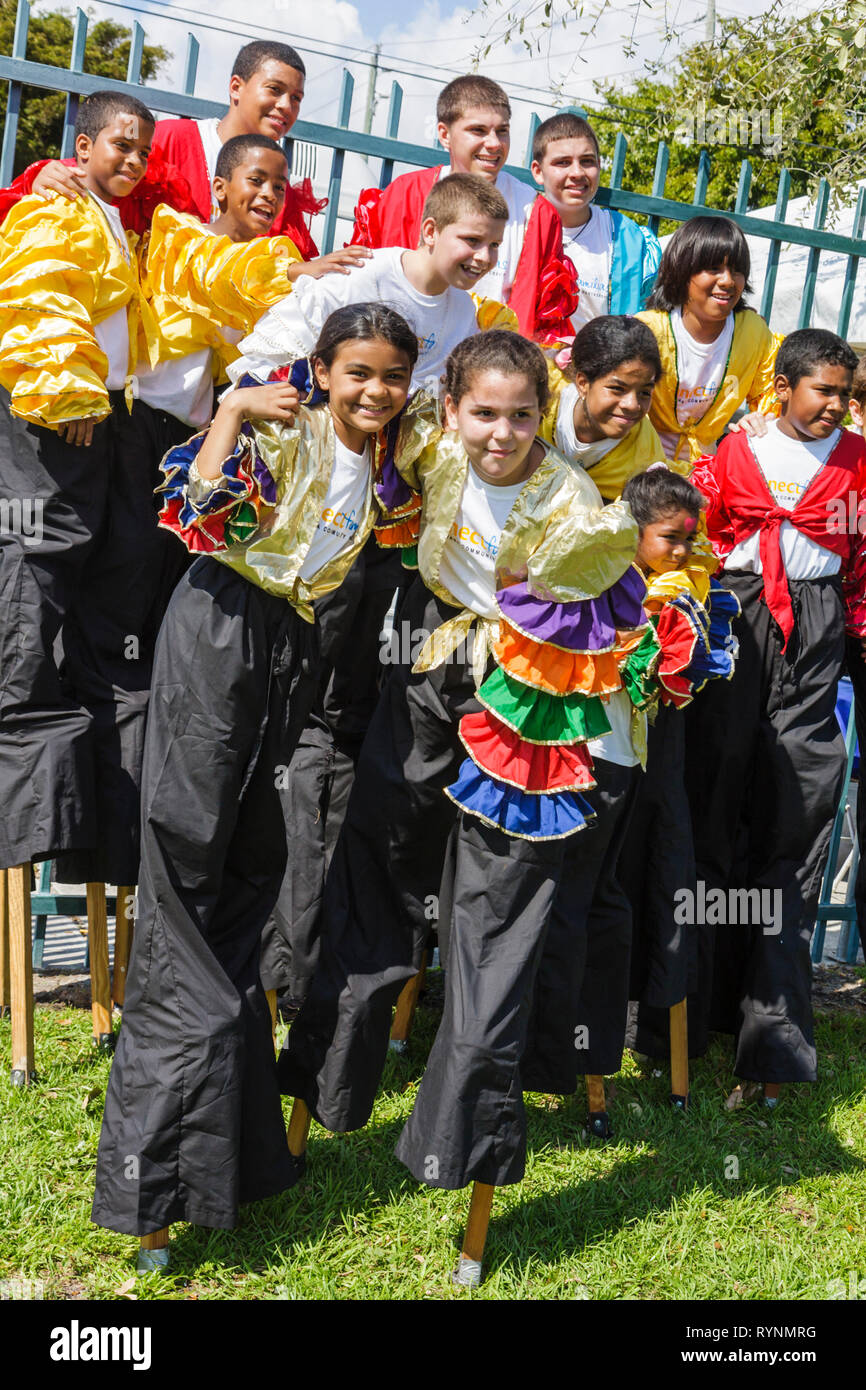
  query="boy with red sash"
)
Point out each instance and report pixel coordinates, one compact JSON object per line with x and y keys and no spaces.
{"x":532,"y":275}
{"x":765,"y":758}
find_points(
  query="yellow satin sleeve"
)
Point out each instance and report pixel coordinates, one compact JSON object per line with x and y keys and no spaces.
{"x":230,"y":283}
{"x":489,"y":313}
{"x":61,"y":273}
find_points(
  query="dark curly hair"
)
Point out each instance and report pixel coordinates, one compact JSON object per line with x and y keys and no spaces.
{"x":496,"y":351}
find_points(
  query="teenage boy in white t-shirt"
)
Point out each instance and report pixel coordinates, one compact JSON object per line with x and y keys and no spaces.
{"x":765,"y":757}
{"x":462,"y":228}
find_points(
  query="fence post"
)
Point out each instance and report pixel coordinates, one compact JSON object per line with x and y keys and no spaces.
{"x":13,"y":100}
{"x":783,"y":188}
{"x":806,"y":302}
{"x":663,"y":156}
{"x":76,"y":64}
{"x":395,"y":106}
{"x":851,"y":268}
{"x":337,"y":165}
{"x":702,"y":180}
{"x":190,"y":67}
{"x":136,"y":50}
{"x":744,"y":184}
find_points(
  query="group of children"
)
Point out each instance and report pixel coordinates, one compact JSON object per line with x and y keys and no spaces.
{"x":491,"y":423}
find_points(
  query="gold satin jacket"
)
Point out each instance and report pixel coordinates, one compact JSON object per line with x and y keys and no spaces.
{"x":61,"y":272}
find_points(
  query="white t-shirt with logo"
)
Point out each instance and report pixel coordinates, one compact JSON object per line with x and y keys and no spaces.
{"x":590,"y":248}
{"x":112,"y":334}
{"x":343,"y":510}
{"x":211,"y":144}
{"x":788,"y":466}
{"x":290,"y":329}
{"x":520,"y":197}
{"x":700,"y":373}
{"x":468,"y":565}
{"x":565,"y":435}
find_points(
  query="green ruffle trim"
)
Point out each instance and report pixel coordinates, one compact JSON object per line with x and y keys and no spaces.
{"x":242,"y":524}
{"x":409,"y":557}
{"x":539,"y":717}
{"x":638,"y":670}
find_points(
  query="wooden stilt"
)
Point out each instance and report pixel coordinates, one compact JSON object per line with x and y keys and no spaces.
{"x":4,"y":945}
{"x":123,"y":928}
{"x":680,"y":1054}
{"x":771,"y":1093}
{"x":468,"y":1271}
{"x":20,"y":974}
{"x":405,"y":1011}
{"x":154,"y":1251}
{"x":297,"y":1135}
{"x":271,"y":996}
{"x":100,"y":984}
{"x":598,"y":1120}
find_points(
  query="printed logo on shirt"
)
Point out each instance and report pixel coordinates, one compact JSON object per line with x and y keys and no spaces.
{"x":473,"y":542}
{"x":592,"y":285}
{"x":340,"y":524}
{"x":783,"y":489}
{"x":694,"y":401}
{"x":427,"y":344}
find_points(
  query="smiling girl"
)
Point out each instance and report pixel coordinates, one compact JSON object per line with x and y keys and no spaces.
{"x":278,"y":513}
{"x":598,"y":415}
{"x":716,"y":353}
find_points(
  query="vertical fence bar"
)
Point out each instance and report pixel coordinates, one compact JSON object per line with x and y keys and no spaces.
{"x":136,"y":50}
{"x":395,"y":107}
{"x":783,"y":188}
{"x":13,"y":100}
{"x":663,"y":156}
{"x":702,"y":180}
{"x":825,"y":902}
{"x":336,"y":179}
{"x":190,"y":67}
{"x":76,"y":64}
{"x":851,"y":269}
{"x":617,"y":168}
{"x":821,"y":204}
{"x":744,"y":184}
{"x":534,"y":123}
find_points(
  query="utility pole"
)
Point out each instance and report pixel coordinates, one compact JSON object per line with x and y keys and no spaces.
{"x":371,"y":89}
{"x":710,"y":32}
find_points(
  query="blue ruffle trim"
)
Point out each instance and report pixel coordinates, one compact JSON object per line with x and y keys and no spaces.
{"x":719,"y":661}
{"x":176,"y":465}
{"x":525,"y":815}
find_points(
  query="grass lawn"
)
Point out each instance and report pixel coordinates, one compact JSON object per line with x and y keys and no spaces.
{"x":715,"y":1204}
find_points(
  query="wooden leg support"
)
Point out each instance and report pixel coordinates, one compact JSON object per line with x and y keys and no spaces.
{"x":100,"y":984}
{"x":771,"y":1093}
{"x":598,"y":1120}
{"x":297,"y":1135}
{"x":4,"y":945}
{"x":20,"y":974}
{"x":153,"y":1252}
{"x":124,"y":917}
{"x":405,"y":1011}
{"x":271,"y":996}
{"x":468,"y":1271}
{"x":680,"y":1055}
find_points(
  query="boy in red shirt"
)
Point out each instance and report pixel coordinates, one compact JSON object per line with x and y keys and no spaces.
{"x":531,"y":275}
{"x":765,"y":757}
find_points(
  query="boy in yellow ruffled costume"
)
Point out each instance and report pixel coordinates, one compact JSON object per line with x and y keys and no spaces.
{"x":88,"y":571}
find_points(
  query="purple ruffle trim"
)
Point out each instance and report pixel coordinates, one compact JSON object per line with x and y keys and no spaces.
{"x":586,"y":626}
{"x":392,"y":490}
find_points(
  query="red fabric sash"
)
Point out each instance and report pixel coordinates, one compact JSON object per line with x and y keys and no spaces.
{"x":740,"y":503}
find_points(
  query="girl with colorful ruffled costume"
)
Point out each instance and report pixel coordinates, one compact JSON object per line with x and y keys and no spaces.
{"x":716,"y":353}
{"x":278,"y":513}
{"x":692,"y":615}
{"x":517,"y":549}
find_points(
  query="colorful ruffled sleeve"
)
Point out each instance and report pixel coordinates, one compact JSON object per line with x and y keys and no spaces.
{"x":396,"y":483}
{"x":233,"y":283}
{"x":693,"y":616}
{"x":214,"y":514}
{"x":61,"y":272}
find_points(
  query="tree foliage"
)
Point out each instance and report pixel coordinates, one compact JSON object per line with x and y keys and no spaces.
{"x":49,"y":40}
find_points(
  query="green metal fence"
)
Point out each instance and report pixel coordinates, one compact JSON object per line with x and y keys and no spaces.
{"x":340,"y":140}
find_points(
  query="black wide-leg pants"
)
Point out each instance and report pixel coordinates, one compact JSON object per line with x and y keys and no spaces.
{"x":193,"y":1122}
{"x":671,"y":959}
{"x":382,"y":888}
{"x":578,"y":1019}
{"x":764,"y":767}
{"x":81,"y":596}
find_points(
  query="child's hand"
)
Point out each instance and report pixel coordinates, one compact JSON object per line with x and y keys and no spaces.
{"x":78,"y":433}
{"x":58,"y":177}
{"x":275,"y":401}
{"x":340,"y":261}
{"x":753,"y":424}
